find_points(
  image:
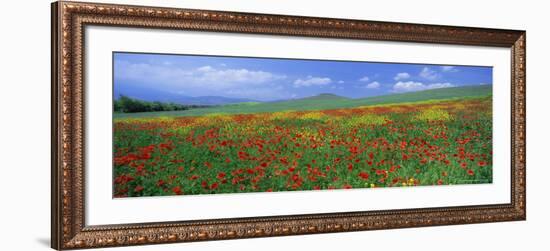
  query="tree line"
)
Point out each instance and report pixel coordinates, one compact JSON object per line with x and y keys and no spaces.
{"x":129,"y":105}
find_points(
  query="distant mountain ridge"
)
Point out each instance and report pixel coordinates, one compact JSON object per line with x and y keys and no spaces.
{"x":326,"y":101}
{"x":170,"y":97}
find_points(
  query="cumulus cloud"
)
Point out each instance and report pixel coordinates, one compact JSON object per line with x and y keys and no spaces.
{"x":205,"y":76}
{"x":448,"y":68}
{"x":411,"y":86}
{"x":428,"y":73}
{"x":341,"y":82}
{"x":312,"y":81}
{"x":198,"y":81}
{"x":401,"y":76}
{"x":373,"y":85}
{"x":205,"y":68}
{"x":364,"y":79}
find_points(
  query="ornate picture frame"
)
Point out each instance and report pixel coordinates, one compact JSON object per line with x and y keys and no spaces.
{"x":69,"y":230}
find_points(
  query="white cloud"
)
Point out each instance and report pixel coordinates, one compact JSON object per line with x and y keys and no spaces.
{"x":373,"y":85}
{"x":439,"y":85}
{"x":205,"y":68}
{"x":428,"y":73}
{"x":402,"y":75}
{"x":364,"y":79}
{"x":407,"y":86}
{"x":310,"y":81}
{"x":200,"y":81}
{"x":341,"y":82}
{"x":411,"y":86}
{"x":484,"y":84}
{"x":448,"y":68}
{"x":207,"y":77}
{"x":237,"y":76}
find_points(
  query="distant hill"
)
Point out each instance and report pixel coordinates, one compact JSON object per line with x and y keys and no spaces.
{"x":434,"y":94}
{"x":151,"y":95}
{"x":323,"y":96}
{"x":331,"y":101}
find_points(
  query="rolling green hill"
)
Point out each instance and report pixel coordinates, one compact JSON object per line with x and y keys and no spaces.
{"x":326,"y":101}
{"x":322,"y":97}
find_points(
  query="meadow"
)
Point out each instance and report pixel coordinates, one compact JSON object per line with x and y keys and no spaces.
{"x":353,"y":144}
{"x":323,"y":102}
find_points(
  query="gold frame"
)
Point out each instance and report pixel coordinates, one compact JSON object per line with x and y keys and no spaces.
{"x":68,"y":226}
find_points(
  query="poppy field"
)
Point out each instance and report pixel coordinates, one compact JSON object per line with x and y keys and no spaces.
{"x":434,"y":142}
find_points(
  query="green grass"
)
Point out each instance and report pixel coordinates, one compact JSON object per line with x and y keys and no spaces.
{"x":324,"y":102}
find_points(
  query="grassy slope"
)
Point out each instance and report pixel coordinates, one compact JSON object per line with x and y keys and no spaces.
{"x":326,"y":101}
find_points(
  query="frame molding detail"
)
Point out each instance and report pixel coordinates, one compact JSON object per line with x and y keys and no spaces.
{"x":68,"y":205}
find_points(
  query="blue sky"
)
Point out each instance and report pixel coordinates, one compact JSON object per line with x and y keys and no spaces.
{"x":267,"y":79}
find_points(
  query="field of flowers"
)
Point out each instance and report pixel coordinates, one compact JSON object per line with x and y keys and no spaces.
{"x":426,"y":143}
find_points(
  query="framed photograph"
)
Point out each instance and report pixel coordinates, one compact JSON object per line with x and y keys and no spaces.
{"x":177,"y":125}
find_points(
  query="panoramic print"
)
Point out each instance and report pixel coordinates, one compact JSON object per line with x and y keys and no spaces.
{"x":192,"y":124}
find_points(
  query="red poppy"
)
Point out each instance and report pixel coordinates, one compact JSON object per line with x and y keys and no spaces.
{"x":243,"y":155}
{"x":139,"y":168}
{"x":221,"y":175}
{"x":138,"y":189}
{"x":470,"y":172}
{"x":227,"y":160}
{"x":481,"y":163}
{"x":393,"y":168}
{"x":364,"y":175}
{"x":214,"y":185}
{"x":160,"y":182}
{"x":177,"y":190}
{"x":350,"y":167}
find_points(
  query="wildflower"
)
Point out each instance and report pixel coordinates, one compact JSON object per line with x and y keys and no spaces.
{"x":138,"y":189}
{"x":214,"y":185}
{"x":364,"y":175}
{"x":177,"y":190}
